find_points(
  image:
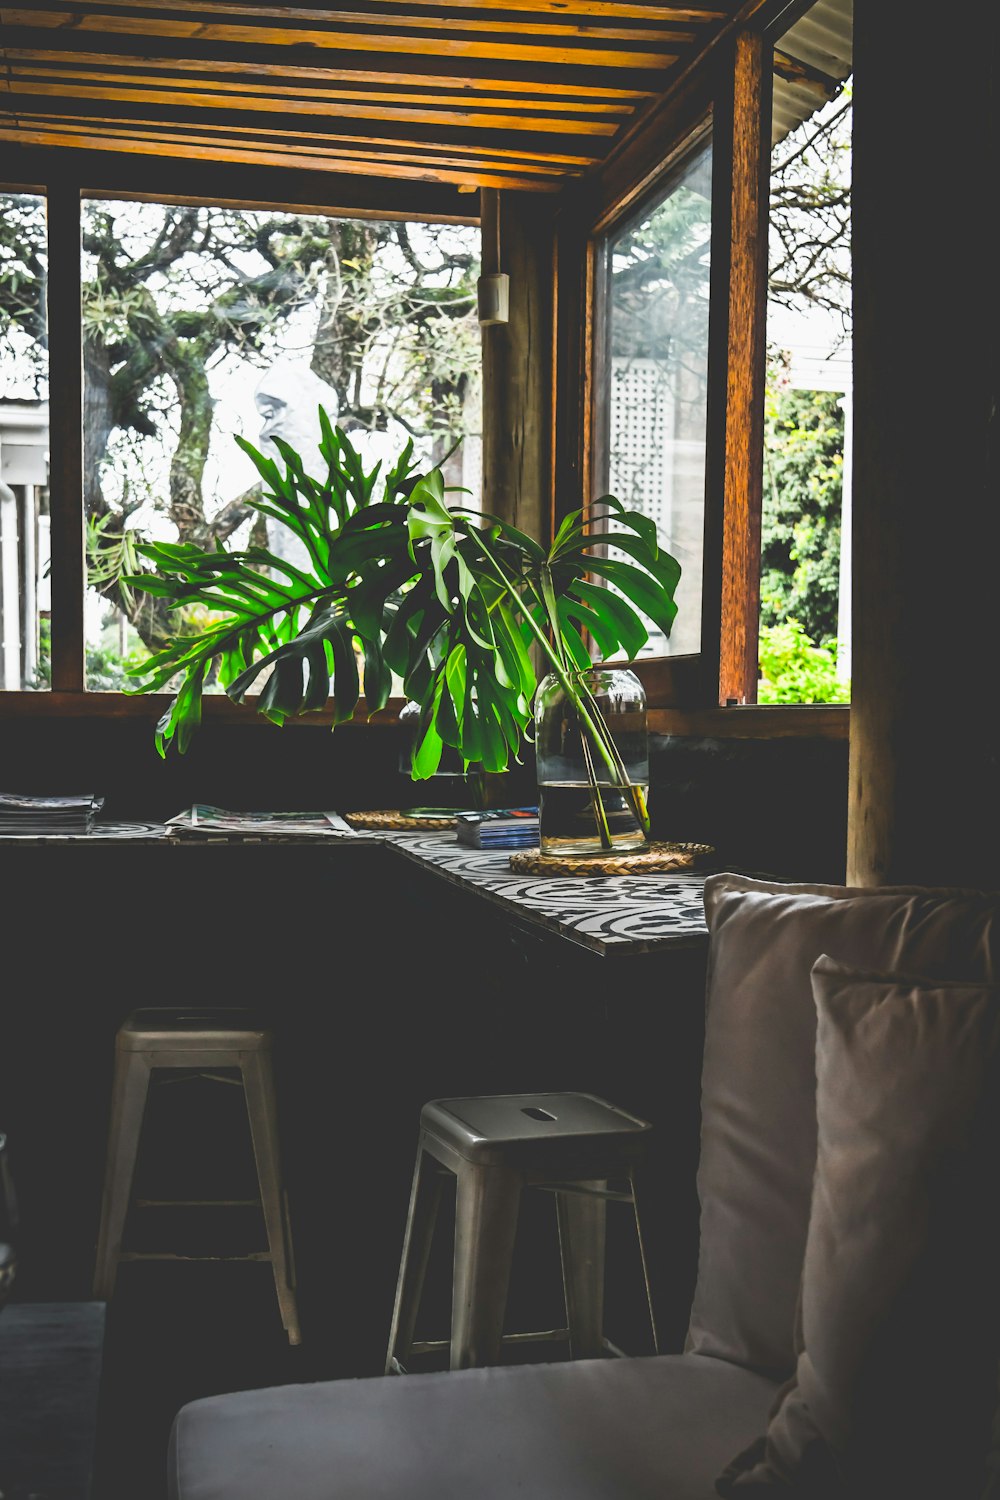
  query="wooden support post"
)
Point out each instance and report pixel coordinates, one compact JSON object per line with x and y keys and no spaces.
{"x":924,"y":783}
{"x":518,"y":363}
{"x":66,"y":463}
{"x":744,"y":410}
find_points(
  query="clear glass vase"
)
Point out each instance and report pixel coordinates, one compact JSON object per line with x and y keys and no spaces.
{"x":592,"y":759}
{"x":452,"y":783}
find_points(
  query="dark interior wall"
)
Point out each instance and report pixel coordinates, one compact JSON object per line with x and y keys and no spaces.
{"x":777,"y":805}
{"x":925,"y":772}
{"x":244,"y":765}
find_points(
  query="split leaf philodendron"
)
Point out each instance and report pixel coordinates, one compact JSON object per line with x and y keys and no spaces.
{"x":398,"y":574}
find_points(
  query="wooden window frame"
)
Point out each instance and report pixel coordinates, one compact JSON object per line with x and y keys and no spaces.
{"x":64,"y":179}
{"x":667,"y":679}
{"x":713,"y":692}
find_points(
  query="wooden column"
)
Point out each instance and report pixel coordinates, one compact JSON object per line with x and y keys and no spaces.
{"x":66,"y":461}
{"x":518,"y":363}
{"x":923,"y":764}
{"x":746,"y":323}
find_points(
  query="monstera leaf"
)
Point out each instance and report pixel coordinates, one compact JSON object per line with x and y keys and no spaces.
{"x":415,"y":585}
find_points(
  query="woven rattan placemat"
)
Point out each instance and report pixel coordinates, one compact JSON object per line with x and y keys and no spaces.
{"x":397,"y":822}
{"x":656,"y":858}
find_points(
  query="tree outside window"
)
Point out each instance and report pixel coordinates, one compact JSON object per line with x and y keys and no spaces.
{"x":204,"y":322}
{"x":805,"y":600}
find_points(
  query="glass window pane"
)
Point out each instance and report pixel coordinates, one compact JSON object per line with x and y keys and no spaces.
{"x":202,"y":323}
{"x":24,"y":445}
{"x":657,"y":366}
{"x":804,"y":648}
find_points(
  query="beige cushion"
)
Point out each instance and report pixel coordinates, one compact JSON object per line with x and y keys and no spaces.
{"x":657,"y":1428}
{"x":758,"y":1143}
{"x":899,"y":1332}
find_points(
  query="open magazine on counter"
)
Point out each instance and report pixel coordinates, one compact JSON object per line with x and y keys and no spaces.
{"x":202,"y":820}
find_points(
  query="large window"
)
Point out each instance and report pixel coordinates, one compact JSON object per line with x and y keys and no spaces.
{"x":24,"y":443}
{"x":804,"y":642}
{"x":200,"y":324}
{"x":654,"y":382}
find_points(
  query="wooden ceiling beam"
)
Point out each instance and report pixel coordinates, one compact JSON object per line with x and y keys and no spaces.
{"x":369,"y":43}
{"x":170,"y":20}
{"x":84,"y":137}
{"x":155,"y":71}
{"x":559,"y":10}
{"x":580,"y":150}
{"x":555,"y":87}
{"x":487,"y":72}
{"x":299,"y":189}
{"x":431,"y":153}
{"x":596,"y":31}
{"x":69,"y":86}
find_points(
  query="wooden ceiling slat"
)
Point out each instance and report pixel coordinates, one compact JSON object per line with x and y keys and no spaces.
{"x":169,"y":19}
{"x":485,"y":73}
{"x":368,"y":42}
{"x":84,"y":137}
{"x":556,"y":9}
{"x":459,"y":154}
{"x":369,"y":24}
{"x":558,"y":93}
{"x":109,"y":87}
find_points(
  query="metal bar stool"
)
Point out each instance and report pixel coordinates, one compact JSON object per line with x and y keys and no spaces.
{"x":495,"y":1146}
{"x":197,"y":1040}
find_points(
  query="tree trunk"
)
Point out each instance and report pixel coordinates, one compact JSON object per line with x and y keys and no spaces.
{"x":98,"y":422}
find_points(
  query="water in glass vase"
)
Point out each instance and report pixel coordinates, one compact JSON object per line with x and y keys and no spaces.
{"x":568,"y":823}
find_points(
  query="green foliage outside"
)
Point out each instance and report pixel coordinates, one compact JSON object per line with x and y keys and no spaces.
{"x":795,"y":670}
{"x":800,"y":546}
{"x":803,"y":490}
{"x":107,"y":670}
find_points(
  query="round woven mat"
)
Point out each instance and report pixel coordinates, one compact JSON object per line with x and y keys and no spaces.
{"x":396,"y":821}
{"x":653,"y":860}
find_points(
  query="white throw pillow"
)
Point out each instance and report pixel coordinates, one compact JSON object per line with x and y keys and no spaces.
{"x":758,"y":1131}
{"x":899,"y":1328}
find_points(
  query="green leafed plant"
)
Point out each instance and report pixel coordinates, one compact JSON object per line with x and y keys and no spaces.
{"x":400,"y":576}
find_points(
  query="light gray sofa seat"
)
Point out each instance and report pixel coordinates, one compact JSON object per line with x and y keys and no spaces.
{"x":656,"y":1428}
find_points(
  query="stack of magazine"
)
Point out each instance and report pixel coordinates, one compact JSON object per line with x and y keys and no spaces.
{"x":27,"y":814}
{"x":499,"y":828}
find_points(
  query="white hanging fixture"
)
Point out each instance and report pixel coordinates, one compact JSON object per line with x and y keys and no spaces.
{"x":493,"y":287}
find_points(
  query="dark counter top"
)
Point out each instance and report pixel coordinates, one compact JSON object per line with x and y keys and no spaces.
{"x":607,"y":913}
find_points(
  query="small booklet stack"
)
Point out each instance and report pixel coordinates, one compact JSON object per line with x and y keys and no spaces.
{"x":26,"y":814}
{"x":499,"y":828}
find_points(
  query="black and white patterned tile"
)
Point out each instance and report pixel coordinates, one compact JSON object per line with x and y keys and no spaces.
{"x":634,"y":912}
{"x":103,"y":831}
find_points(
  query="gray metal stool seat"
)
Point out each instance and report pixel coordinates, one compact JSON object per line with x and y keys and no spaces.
{"x":495,"y":1146}
{"x":201,"y":1039}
